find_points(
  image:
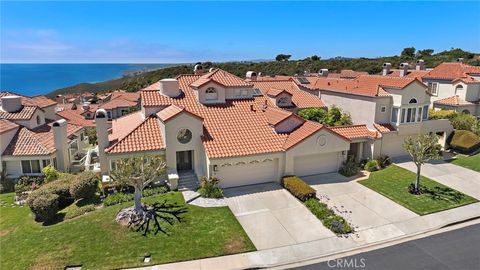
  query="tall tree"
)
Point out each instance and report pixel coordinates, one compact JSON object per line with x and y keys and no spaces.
{"x":426,"y":52}
{"x":283,"y":57}
{"x":138,"y":172}
{"x":422,"y":148}
{"x":408,"y":52}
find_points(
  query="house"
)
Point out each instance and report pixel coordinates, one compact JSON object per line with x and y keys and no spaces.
{"x":80,"y":115}
{"x":31,"y":139}
{"x":217,"y":124}
{"x":455,"y":86}
{"x":119,"y":103}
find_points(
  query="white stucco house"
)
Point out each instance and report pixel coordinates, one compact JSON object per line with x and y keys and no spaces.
{"x":30,"y":139}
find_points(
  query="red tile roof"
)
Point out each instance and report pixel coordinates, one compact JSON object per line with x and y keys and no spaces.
{"x":276,"y":115}
{"x":221,"y":77}
{"x":356,"y":132}
{"x":300,"y":98}
{"x":275,"y":92}
{"x":75,"y":117}
{"x":124,"y":125}
{"x":454,"y":101}
{"x":171,"y":111}
{"x":6,"y":125}
{"x":118,"y":102}
{"x":25,"y":113}
{"x":145,"y":137}
{"x":454,"y":71}
{"x":384,"y":128}
{"x":303,"y":132}
{"x":412,"y":73}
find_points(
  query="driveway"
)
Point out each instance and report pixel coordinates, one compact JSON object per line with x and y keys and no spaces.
{"x":272,"y":217}
{"x":456,"y":177}
{"x":363,"y":207}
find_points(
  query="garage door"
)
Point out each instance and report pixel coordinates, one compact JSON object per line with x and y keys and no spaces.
{"x":247,"y":174}
{"x":316,"y":164}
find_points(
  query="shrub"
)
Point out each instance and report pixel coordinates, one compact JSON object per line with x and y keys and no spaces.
{"x":85,"y":185}
{"x":80,"y":211}
{"x":209,"y":188}
{"x":383,"y":161}
{"x":118,"y":198}
{"x":371,"y":166}
{"x":50,"y":174}
{"x":349,"y":167}
{"x":441,"y":114}
{"x":61,"y":187}
{"x":298,"y":188}
{"x":464,"y":141}
{"x":154,"y":191}
{"x":44,"y":205}
{"x":463,"y":121}
{"x":6,"y":184}
{"x":28,"y":183}
{"x":335,"y":223}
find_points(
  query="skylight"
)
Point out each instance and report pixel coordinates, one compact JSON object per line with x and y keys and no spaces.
{"x":303,"y":80}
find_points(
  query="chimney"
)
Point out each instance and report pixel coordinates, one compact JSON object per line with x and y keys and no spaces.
{"x":323,"y":72}
{"x":251,"y":75}
{"x":61,"y":144}
{"x":170,"y":87}
{"x":102,"y":137}
{"x":306,"y":72}
{"x":211,"y":69}
{"x":198,"y":69}
{"x":460,"y":60}
{"x":11,"y":103}
{"x":403,"y":69}
{"x":420,"y":65}
{"x":60,"y":99}
{"x":86,"y":106}
{"x":386,"y":69}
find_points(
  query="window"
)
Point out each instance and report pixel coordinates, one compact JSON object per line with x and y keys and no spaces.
{"x":402,"y":119}
{"x":283,"y":101}
{"x":394,"y":115}
{"x":383,"y":109}
{"x":466,"y":112}
{"x":419,"y":114}
{"x":113,"y":165}
{"x":55,"y":162}
{"x":425,"y":112}
{"x":31,"y":166}
{"x":433,"y":88}
{"x":211,"y":94}
{"x":109,"y":115}
{"x":413,"y":101}
{"x":39,"y":121}
{"x":458,"y":89}
{"x":82,"y":137}
{"x":45,"y":162}
{"x":184,"y":135}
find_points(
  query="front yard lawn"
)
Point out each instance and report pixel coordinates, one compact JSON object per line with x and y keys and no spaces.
{"x":96,"y":241}
{"x":472,"y":162}
{"x":393,"y":183}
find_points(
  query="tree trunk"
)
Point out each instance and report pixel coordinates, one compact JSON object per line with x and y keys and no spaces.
{"x":138,"y":200}
{"x":417,"y":180}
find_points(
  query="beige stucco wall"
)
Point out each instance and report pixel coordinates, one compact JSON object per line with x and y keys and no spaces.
{"x":361,"y":108}
{"x":50,"y":112}
{"x":383,"y":117}
{"x":32,"y":122}
{"x":403,"y":96}
{"x":14,"y":164}
{"x":202,"y":97}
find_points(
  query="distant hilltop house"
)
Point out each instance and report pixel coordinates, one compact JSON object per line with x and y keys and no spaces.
{"x":31,"y":137}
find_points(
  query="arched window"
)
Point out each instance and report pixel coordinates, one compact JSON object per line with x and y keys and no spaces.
{"x":39,"y":121}
{"x":458,"y":89}
{"x":211,"y":94}
{"x":413,"y":100}
{"x":466,"y":112}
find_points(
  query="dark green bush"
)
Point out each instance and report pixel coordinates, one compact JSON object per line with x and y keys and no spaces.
{"x":464,"y":141}
{"x":85,"y":185}
{"x":209,"y":188}
{"x":28,"y":183}
{"x":349,"y":167}
{"x":371,"y":165}
{"x":154,"y":191}
{"x":383,"y":161}
{"x":61,"y":187}
{"x":121,"y":197}
{"x":441,"y":114}
{"x":43,"y":204}
{"x":332,"y":221}
{"x":298,"y":188}
{"x":463,"y":121}
{"x":6,"y":184}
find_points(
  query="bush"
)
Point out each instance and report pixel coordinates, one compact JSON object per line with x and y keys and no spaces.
{"x":6,"y":184}
{"x":84,"y":185}
{"x":28,"y":183}
{"x":50,"y":174}
{"x":118,"y":198}
{"x":371,"y":165}
{"x":154,"y":191}
{"x":298,"y":188}
{"x":80,"y":211}
{"x":334,"y":116}
{"x":464,"y":121}
{"x":349,"y":167}
{"x":209,"y":188}
{"x":61,"y":187}
{"x":383,"y":161}
{"x":44,"y":205}
{"x":441,"y":114}
{"x":464,"y":141}
{"x":335,"y":223}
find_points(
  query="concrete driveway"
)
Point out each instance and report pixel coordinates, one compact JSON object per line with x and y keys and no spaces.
{"x":272,"y":217}
{"x":456,"y":177}
{"x":363,"y":207}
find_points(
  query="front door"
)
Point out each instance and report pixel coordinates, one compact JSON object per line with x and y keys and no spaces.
{"x":184,"y":160}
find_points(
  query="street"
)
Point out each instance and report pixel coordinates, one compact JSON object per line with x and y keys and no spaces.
{"x":457,"y":249}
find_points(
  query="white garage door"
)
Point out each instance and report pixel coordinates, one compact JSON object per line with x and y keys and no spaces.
{"x":316,"y":164}
{"x":247,"y":174}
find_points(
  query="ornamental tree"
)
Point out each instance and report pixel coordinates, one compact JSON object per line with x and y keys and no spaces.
{"x":422,"y":148}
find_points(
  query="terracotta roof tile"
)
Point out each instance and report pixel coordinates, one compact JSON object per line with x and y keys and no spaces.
{"x":124,"y":125}
{"x":411,"y":73}
{"x":384,"y":128}
{"x":118,"y":102}
{"x":454,"y":101}
{"x":355,"y":132}
{"x":172,"y":111}
{"x":300,"y":98}
{"x":76,"y":118}
{"x":301,"y":133}
{"x":454,"y":71}
{"x":276,"y":115}
{"x":221,"y":77}
{"x":6,"y":125}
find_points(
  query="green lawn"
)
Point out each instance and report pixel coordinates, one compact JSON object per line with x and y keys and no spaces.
{"x":96,"y":241}
{"x":393,"y":183}
{"x":472,"y":162}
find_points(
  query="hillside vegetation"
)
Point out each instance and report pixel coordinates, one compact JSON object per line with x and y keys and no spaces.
{"x":282,"y":66}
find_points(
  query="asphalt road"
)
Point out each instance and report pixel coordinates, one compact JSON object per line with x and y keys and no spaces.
{"x":456,"y":250}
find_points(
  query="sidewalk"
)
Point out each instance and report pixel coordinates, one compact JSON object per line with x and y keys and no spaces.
{"x":332,"y":245}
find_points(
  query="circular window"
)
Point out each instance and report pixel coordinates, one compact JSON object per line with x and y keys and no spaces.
{"x":322,"y":140}
{"x":184,"y":135}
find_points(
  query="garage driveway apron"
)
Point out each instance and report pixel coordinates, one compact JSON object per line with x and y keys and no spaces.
{"x":272,"y":217}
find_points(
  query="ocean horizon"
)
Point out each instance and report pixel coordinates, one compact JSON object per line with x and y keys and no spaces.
{"x":41,"y":79}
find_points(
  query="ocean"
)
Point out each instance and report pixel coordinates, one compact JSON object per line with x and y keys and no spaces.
{"x":40,"y":79}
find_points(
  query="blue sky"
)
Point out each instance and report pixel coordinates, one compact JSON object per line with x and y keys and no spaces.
{"x":160,"y":32}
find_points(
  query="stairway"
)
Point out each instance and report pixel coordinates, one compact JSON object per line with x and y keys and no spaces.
{"x":187,"y":181}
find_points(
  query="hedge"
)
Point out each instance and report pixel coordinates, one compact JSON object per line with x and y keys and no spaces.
{"x":298,"y":188}
{"x":44,"y":205}
{"x":85,"y":185}
{"x":332,"y":221}
{"x":464,"y":141}
{"x":441,"y":114}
